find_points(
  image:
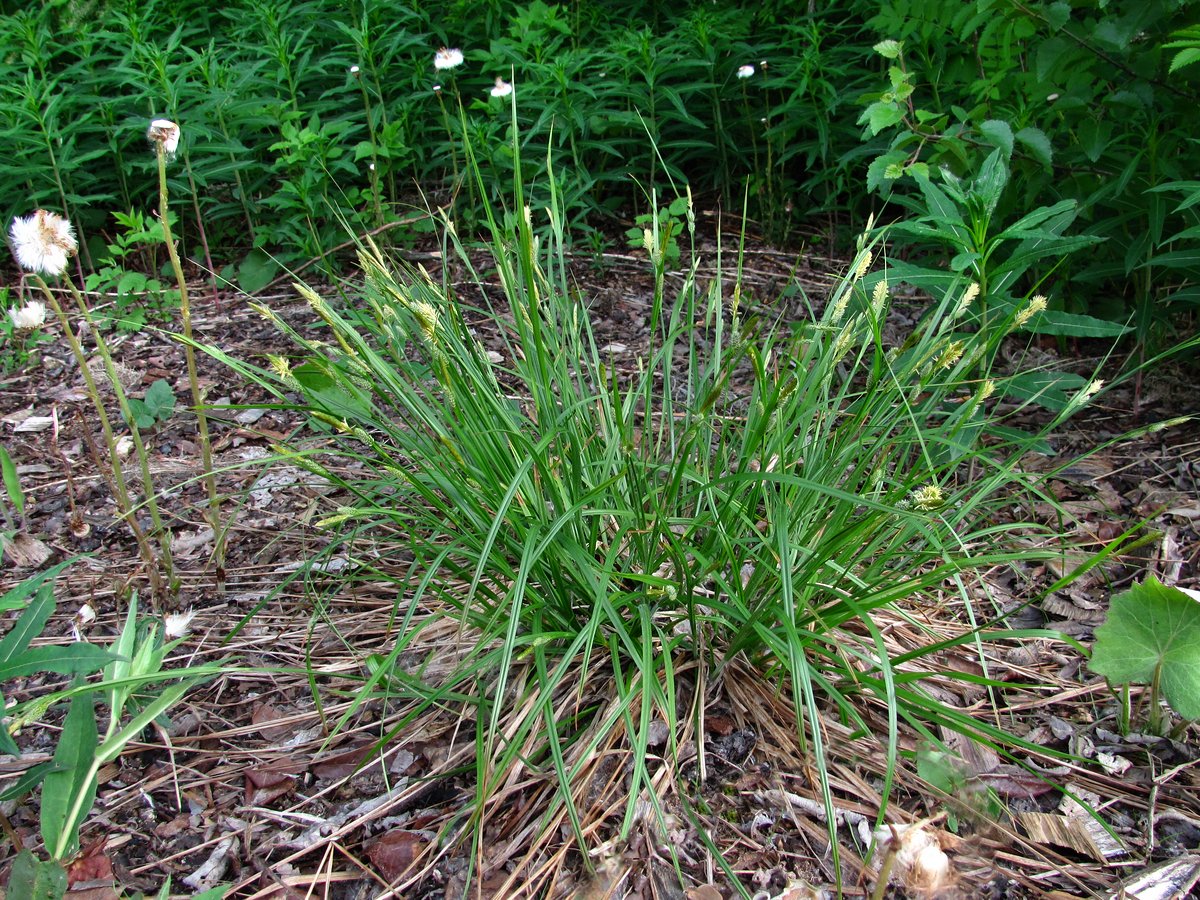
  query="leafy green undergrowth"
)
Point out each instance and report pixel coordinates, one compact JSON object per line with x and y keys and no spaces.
{"x":1152,"y":636}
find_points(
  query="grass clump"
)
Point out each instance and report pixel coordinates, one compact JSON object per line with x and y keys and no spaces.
{"x":585,"y":547}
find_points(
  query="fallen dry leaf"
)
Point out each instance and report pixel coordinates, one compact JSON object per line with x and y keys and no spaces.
{"x":90,"y":865}
{"x":394,"y":853}
{"x":265,"y":713}
{"x":268,"y":783}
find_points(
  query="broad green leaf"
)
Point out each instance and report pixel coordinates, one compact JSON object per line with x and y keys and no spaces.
{"x":999,"y":133}
{"x":337,"y":397}
{"x":15,"y":598}
{"x":160,"y":399}
{"x":256,"y":271}
{"x":29,"y":625}
{"x":1057,"y":14}
{"x":140,"y":414}
{"x":889,"y":49}
{"x":1153,"y":628}
{"x":1052,"y":390}
{"x":1065,"y":324}
{"x":1176,"y":259}
{"x":68,"y":782}
{"x":33,"y":879}
{"x":70,"y":659}
{"x":1037,"y":144}
{"x":1032,"y":220}
{"x":880,"y":115}
{"x":12,"y":484}
{"x":28,"y":780}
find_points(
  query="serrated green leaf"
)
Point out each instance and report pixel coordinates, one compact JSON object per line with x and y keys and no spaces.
{"x":1153,"y":628}
{"x":877,"y":171}
{"x":1038,"y":145}
{"x":999,"y":133}
{"x":33,"y":879}
{"x":1184,"y":58}
{"x":889,"y":49}
{"x":879,"y":116}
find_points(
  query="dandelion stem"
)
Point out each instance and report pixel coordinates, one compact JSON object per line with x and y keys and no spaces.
{"x":120,"y":490}
{"x":210,"y":481}
{"x":164,"y":537}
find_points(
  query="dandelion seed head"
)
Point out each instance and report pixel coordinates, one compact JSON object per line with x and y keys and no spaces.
{"x":28,"y":317}
{"x":176,"y":625}
{"x":165,"y":133}
{"x":745,"y":71}
{"x":447,"y":58}
{"x":43,"y":242}
{"x":501,"y":88}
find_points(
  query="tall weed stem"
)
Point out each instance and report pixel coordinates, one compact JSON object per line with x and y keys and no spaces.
{"x":210,"y":481}
{"x":120,"y":489}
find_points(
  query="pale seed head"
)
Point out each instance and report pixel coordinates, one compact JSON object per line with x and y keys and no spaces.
{"x":43,"y":242}
{"x":165,"y":133}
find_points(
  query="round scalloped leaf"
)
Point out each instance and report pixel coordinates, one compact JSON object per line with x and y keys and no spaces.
{"x":1151,"y":625}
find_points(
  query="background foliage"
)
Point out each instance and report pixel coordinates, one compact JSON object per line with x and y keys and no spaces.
{"x":285,"y":144}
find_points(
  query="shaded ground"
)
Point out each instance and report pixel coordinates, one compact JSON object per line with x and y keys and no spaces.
{"x":247,"y":787}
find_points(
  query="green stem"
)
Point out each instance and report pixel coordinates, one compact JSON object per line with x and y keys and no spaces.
{"x":210,"y":481}
{"x":120,"y":490}
{"x":164,"y":536}
{"x":375,"y":189}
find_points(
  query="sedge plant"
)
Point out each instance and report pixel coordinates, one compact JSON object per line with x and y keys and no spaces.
{"x":585,"y":546}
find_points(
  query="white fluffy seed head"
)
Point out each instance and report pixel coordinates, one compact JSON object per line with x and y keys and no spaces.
{"x":43,"y":242}
{"x":165,"y":133}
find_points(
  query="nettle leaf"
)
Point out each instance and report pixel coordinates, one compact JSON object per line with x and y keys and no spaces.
{"x":999,"y":133}
{"x":160,"y":399}
{"x":1152,"y":627}
{"x":1038,"y":145}
{"x":889,"y":49}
